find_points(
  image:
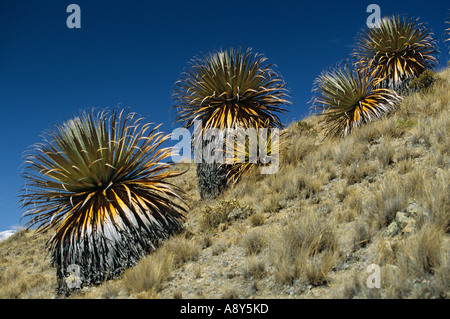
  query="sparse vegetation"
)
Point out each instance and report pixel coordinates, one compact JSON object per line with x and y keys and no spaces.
{"x":379,"y":196}
{"x":305,"y":247}
{"x":223,"y":213}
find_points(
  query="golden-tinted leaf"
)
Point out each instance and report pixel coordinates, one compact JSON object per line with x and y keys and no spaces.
{"x":252,"y":93}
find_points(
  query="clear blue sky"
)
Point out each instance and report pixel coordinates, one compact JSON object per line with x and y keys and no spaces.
{"x":131,"y":52}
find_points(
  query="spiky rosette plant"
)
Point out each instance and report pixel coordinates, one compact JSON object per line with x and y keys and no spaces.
{"x":227,"y":89}
{"x":348,"y":98}
{"x":398,"y":49}
{"x":99,"y":182}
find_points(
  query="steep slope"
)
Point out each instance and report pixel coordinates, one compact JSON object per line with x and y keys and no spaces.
{"x":379,"y":197}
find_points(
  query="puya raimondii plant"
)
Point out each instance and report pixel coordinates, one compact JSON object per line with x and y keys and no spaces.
{"x":228,"y":89}
{"x":101,"y":184}
{"x":347,"y":98}
{"x":397,"y":49}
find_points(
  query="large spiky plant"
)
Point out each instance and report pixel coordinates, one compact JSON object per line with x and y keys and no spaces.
{"x":348,"y":98}
{"x":99,"y":183}
{"x":398,"y":49}
{"x":228,"y":89}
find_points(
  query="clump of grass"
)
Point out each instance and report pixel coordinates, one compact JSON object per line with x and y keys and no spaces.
{"x":348,"y":152}
{"x":300,"y":142}
{"x":271,"y":204}
{"x":361,"y":235}
{"x":257,"y":219}
{"x":230,"y":292}
{"x":417,"y":267}
{"x":406,"y":123}
{"x":389,"y":128}
{"x":317,"y":267}
{"x":183,"y":249}
{"x":223,"y":213}
{"x":109,"y":290}
{"x":385,"y":154}
{"x":255,"y":267}
{"x":423,"y":253}
{"x":367,"y":134}
{"x":357,"y":171}
{"x":309,"y":186}
{"x":342,"y":191}
{"x":428,"y":103}
{"x":389,"y":197}
{"x":435,"y":194}
{"x":355,"y":201}
{"x":297,"y":149}
{"x":148,"y":276}
{"x":254,"y":242}
{"x":307,"y":247}
{"x":405,"y":165}
{"x":421,"y":134}
{"x":150,"y":273}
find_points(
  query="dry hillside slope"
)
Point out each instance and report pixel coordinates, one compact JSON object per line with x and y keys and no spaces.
{"x":380,"y":196}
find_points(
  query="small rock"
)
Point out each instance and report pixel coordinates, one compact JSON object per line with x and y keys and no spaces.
{"x":410,"y":227}
{"x":392,"y":229}
{"x":401,"y":219}
{"x":405,"y":223}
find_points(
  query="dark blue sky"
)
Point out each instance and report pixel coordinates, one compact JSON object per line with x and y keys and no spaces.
{"x":131,"y":52}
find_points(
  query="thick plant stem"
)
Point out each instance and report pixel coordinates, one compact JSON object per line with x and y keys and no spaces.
{"x":212,"y":179}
